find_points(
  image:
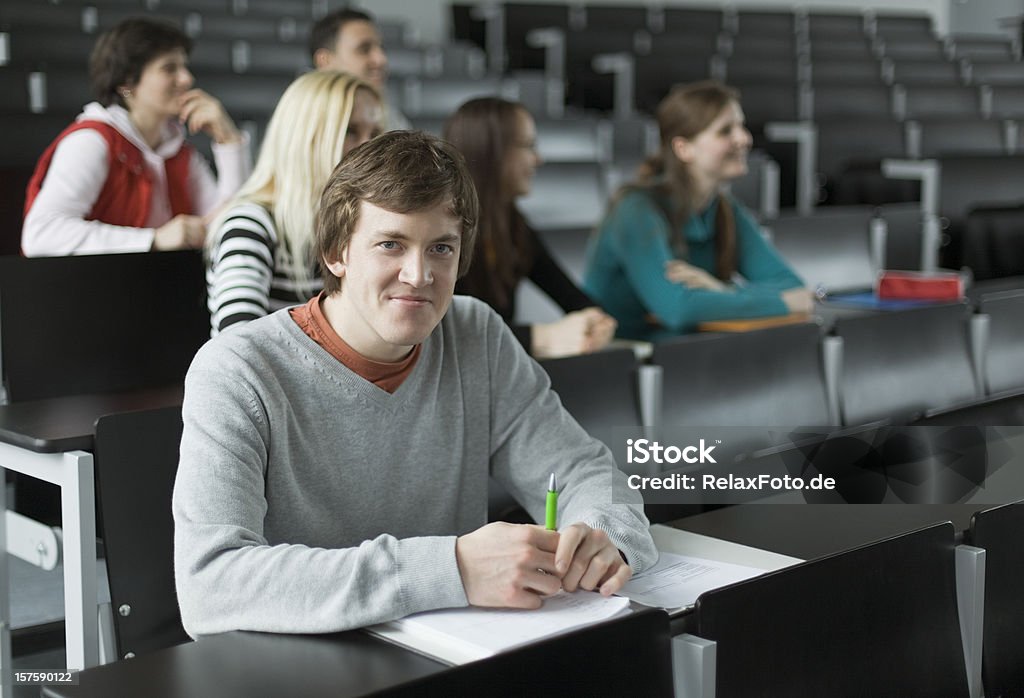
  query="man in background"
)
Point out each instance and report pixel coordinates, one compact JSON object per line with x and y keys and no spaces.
{"x":348,"y":40}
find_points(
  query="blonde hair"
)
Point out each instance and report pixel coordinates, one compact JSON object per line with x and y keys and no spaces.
{"x":302,"y":146}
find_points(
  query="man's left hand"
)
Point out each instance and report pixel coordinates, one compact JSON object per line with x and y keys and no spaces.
{"x":587,"y":559}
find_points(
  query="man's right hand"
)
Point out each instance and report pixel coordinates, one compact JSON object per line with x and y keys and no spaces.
{"x":508,"y":565}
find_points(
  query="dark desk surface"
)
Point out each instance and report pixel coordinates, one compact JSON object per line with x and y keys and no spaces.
{"x":809,"y":531}
{"x":624,"y":654}
{"x":68,"y":423}
{"x":251,"y":664}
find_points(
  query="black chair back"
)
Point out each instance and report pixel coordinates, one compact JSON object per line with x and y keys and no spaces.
{"x":600,"y":390}
{"x":765,"y":378}
{"x":100,"y":323}
{"x":136,"y":462}
{"x":998,"y":532}
{"x":1004,"y":368}
{"x":993,"y":243}
{"x":876,"y":620}
{"x":830,"y":250}
{"x":900,"y":364}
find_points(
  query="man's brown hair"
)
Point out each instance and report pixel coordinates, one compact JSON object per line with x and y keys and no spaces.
{"x":402,"y":172}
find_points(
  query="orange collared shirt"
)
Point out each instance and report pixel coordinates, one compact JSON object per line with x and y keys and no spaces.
{"x":387,"y":376}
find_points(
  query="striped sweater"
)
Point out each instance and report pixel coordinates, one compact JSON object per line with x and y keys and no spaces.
{"x":246,"y":274}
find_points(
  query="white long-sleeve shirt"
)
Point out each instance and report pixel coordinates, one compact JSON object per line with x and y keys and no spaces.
{"x":56,"y":224}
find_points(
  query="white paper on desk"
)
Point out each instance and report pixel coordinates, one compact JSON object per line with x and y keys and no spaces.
{"x":677,"y":580}
{"x":460,"y":635}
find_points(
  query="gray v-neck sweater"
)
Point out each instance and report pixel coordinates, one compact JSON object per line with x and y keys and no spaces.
{"x":309,"y":500}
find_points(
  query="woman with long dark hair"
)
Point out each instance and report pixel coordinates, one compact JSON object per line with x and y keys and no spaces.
{"x":498,"y":139}
{"x":675,"y":249}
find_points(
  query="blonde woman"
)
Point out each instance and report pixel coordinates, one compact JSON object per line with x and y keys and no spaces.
{"x":260,"y":258}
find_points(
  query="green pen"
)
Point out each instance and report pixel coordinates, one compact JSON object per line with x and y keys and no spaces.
{"x":551,"y":506}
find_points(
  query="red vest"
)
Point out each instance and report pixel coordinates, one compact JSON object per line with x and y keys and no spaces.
{"x":127,"y":193}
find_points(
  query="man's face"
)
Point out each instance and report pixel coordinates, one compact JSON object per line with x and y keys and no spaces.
{"x":397,"y":276}
{"x":358,"y":50}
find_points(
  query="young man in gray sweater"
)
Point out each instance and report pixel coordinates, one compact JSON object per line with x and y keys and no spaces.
{"x":335,"y":456}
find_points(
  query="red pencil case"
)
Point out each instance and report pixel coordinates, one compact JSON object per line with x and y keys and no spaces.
{"x":922,"y":286}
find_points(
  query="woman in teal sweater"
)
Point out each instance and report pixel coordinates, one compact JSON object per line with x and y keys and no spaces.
{"x":675,"y":249}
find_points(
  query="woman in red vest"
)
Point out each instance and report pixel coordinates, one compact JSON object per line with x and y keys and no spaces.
{"x":122,"y":178}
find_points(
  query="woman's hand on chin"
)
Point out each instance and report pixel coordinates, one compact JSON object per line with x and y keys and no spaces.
{"x":202,"y":112}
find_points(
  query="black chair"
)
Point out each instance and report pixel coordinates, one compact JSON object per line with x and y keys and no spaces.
{"x":846,"y":64}
{"x":984,"y":50}
{"x":1009,"y":72}
{"x":993,"y":241}
{"x":998,"y":532}
{"x":17,"y":161}
{"x":970,"y":181}
{"x":520,"y":18}
{"x":876,"y":620}
{"x":898,"y":365}
{"x":962,"y":136}
{"x":751,"y":68}
{"x":852,"y":101}
{"x":35,"y":49}
{"x":842,"y":143}
{"x":65,"y":88}
{"x":917,"y":50}
{"x":904,"y":27}
{"x":775,"y":24}
{"x":136,"y":462}
{"x":691,"y":21}
{"x":767,"y":100}
{"x":100,"y":323}
{"x":862,"y":182}
{"x":1005,"y":410}
{"x":615,"y":18}
{"x":828,"y":27}
{"x":586,"y":88}
{"x":1008,"y":101}
{"x":1003,"y":368}
{"x":830,"y":249}
{"x":942,"y":101}
{"x":42,"y":15}
{"x":601,"y":392}
{"x":904,"y":235}
{"x":766,"y":378}
{"x":658,"y":72}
